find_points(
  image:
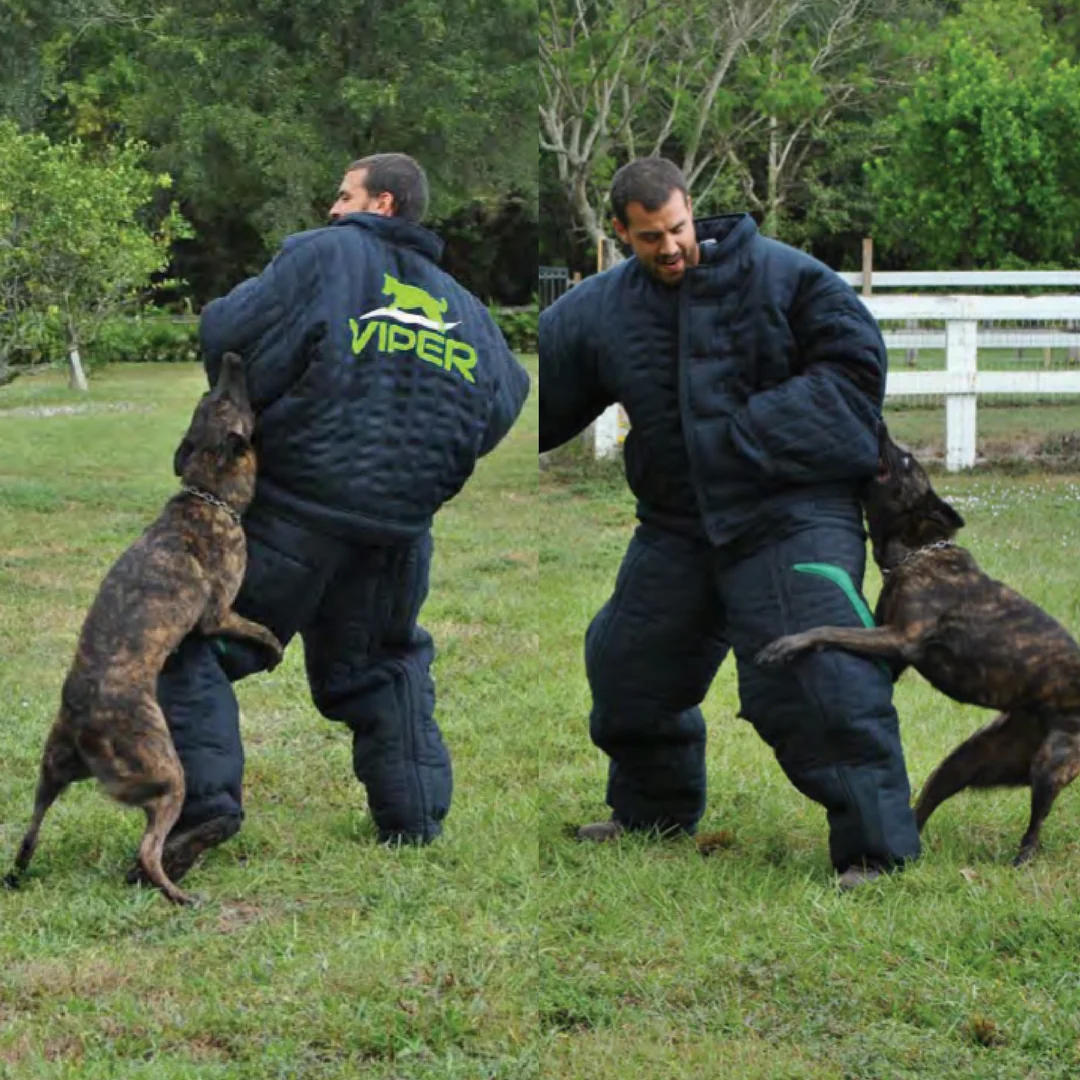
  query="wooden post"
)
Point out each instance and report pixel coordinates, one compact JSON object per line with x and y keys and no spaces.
{"x":867,"y":265}
{"x":961,"y":358}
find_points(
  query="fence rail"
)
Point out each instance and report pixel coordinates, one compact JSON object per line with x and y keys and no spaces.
{"x":966,"y":279}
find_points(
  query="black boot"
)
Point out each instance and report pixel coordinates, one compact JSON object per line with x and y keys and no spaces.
{"x":184,"y":847}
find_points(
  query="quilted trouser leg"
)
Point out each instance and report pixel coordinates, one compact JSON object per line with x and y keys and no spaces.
{"x":204,"y":720}
{"x":650,"y":655}
{"x":286,"y":569}
{"x":828,"y":716}
{"x":369,"y":666}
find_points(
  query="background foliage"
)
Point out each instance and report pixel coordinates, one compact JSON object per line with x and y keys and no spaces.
{"x":255,"y":108}
{"x":940,"y":127}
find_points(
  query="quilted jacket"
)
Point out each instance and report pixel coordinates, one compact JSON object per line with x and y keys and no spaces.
{"x":377,"y":380}
{"x":754,"y":385}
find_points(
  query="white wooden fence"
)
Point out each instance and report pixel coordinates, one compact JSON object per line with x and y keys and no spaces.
{"x":960,"y":322}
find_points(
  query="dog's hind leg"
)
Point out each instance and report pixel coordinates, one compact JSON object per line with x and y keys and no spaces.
{"x":1056,"y":765}
{"x":61,"y":765}
{"x":144,"y":770}
{"x":997,"y":755}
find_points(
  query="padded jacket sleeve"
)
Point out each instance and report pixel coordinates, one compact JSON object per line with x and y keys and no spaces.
{"x":571,"y":394}
{"x":266,"y":319}
{"x":821,"y":424}
{"x":510,"y":395}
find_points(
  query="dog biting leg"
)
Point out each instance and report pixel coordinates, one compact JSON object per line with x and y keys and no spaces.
{"x":881,"y":642}
{"x":1056,"y":765}
{"x":997,"y":755}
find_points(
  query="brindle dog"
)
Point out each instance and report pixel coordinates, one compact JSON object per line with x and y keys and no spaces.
{"x":181,"y":575}
{"x":973,"y":638}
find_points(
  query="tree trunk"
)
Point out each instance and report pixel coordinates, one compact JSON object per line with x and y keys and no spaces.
{"x":584,"y":211}
{"x":771,"y":225}
{"x":77,"y":381}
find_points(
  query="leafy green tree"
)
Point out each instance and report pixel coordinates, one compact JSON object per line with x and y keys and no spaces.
{"x":74,"y":241}
{"x":256,"y":106}
{"x":984,"y":165}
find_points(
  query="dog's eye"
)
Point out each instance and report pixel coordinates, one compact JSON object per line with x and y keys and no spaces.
{"x":907,"y":462}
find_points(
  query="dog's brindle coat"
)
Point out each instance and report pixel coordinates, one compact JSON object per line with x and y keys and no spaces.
{"x":182,"y":574}
{"x":973,"y":638}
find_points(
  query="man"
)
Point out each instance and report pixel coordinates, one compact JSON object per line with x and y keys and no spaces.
{"x":377,"y":382}
{"x":753,"y":379}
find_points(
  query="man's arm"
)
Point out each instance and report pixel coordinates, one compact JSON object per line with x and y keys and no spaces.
{"x":510,"y":395}
{"x":571,"y":396}
{"x":264,"y":319}
{"x":822,"y":423}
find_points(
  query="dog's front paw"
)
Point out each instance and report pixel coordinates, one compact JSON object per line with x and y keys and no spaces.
{"x":780,"y":651}
{"x":275,"y":651}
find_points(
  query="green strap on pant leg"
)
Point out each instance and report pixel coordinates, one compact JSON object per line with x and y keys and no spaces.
{"x":842,"y":578}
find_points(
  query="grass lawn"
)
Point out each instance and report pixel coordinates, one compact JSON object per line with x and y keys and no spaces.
{"x":656,"y":962}
{"x":316,"y":953}
{"x":1048,"y":431}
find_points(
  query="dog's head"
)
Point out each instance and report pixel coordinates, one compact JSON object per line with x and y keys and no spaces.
{"x":903,"y":511}
{"x":216,"y":452}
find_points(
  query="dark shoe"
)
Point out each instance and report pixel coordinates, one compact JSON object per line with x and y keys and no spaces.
{"x":183,"y":848}
{"x":601,"y":832}
{"x":854,"y":876}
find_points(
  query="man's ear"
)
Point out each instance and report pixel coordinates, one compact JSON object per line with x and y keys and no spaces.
{"x":621,"y":231}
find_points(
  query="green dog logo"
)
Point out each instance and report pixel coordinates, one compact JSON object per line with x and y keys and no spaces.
{"x":412,"y":298}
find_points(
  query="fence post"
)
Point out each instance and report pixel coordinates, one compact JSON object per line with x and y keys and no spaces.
{"x":961,"y":358}
{"x":606,"y":433}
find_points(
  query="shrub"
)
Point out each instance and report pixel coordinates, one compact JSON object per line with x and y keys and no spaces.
{"x":520,"y":327}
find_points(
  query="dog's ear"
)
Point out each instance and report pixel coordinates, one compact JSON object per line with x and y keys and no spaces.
{"x":183,"y":453}
{"x":941,"y":512}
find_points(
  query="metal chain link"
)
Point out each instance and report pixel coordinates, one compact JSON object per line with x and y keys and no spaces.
{"x":213,"y":500}
{"x":940,"y":545}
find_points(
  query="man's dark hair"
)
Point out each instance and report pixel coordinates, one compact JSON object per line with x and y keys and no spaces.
{"x":649,"y":181}
{"x":402,"y":177}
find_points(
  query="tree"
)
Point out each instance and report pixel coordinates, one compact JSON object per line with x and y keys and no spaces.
{"x":596,"y":63}
{"x":984,"y":168}
{"x":256,"y":106}
{"x":74,"y":243}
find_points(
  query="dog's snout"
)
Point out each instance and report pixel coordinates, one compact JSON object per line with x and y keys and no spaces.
{"x":232,"y":380}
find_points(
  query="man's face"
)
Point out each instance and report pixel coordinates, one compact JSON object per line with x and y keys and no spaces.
{"x":663,"y":240}
{"x":354,"y":198}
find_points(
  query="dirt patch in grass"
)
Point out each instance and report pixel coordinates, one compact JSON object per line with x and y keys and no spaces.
{"x":92,"y":977}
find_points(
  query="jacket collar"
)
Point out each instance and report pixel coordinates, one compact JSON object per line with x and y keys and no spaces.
{"x":718,"y":237}
{"x":398,"y":231}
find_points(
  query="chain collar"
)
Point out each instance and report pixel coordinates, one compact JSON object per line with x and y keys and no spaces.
{"x":941,"y":545}
{"x":213,"y":500}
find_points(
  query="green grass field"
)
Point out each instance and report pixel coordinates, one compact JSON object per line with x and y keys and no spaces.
{"x":316,"y":953}
{"x":506,"y":951}
{"x":656,"y":962}
{"x":1043,"y":435}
